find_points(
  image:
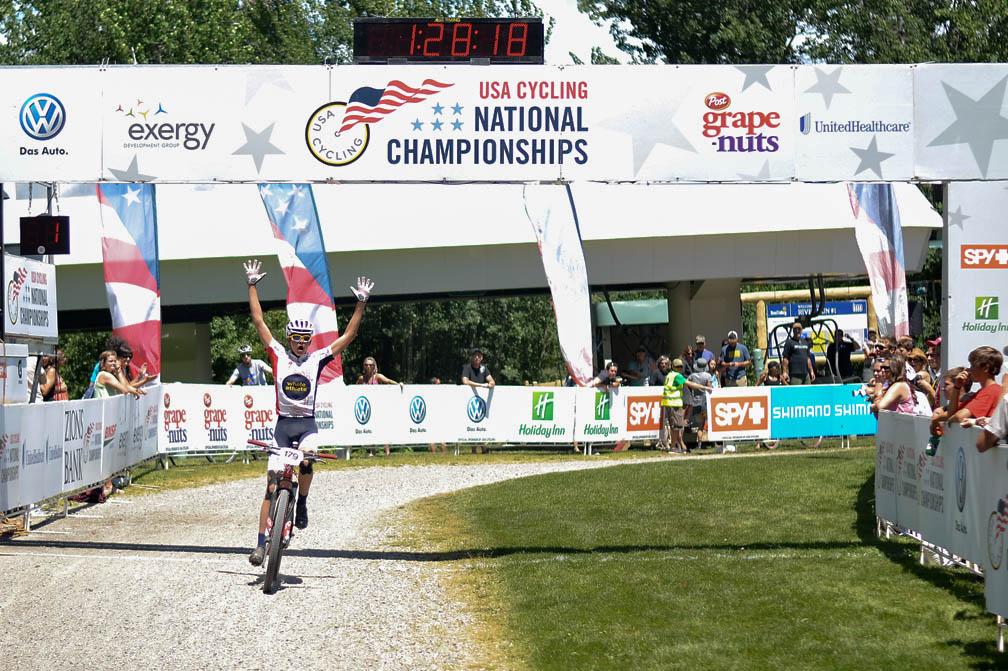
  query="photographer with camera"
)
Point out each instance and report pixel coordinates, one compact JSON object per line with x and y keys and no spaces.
{"x":608,"y":378}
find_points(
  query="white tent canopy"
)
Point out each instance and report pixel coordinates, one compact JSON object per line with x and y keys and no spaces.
{"x":430,"y":239}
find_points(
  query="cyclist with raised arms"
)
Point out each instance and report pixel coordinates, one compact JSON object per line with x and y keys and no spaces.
{"x":295,"y":375}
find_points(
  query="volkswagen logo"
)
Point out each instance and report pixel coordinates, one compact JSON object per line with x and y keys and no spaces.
{"x":362,"y":410}
{"x":960,"y":480}
{"x":42,"y":116}
{"x":476,"y":409}
{"x":418,"y":409}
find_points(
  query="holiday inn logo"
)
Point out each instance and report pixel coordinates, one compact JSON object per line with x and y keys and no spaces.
{"x":986,"y":307}
{"x":542,"y":406}
{"x":602,"y":406}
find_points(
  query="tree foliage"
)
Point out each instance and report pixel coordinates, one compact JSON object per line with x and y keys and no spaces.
{"x":790,"y":31}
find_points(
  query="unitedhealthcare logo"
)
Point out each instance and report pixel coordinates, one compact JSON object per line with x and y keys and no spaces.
{"x":476,"y":408}
{"x":418,"y":409}
{"x":805,"y":123}
{"x":42,"y":116}
{"x":362,"y":410}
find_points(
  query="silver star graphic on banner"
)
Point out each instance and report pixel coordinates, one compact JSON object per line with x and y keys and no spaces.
{"x":762,"y":176}
{"x":257,"y":145}
{"x":978,"y":123}
{"x":131,"y":174}
{"x":260,"y":78}
{"x":871,"y":157}
{"x":828,"y":85}
{"x":651,"y":128}
{"x":957,"y":219}
{"x":755,"y":74}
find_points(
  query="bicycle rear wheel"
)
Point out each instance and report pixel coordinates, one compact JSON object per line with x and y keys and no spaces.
{"x":276,"y":541}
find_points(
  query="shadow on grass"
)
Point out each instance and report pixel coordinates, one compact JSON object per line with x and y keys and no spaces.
{"x":982,"y":655}
{"x":395,"y":555}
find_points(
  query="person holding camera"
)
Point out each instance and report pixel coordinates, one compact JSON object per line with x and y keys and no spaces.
{"x":608,"y":378}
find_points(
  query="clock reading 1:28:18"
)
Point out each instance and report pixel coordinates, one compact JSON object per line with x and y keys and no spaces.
{"x":429,"y":40}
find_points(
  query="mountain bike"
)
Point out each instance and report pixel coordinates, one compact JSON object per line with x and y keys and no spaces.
{"x":280,"y":523}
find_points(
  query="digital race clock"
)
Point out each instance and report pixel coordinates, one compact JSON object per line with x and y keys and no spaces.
{"x":448,"y":40}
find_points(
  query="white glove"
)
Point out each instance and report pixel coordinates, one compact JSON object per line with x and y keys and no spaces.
{"x":253,"y":271}
{"x":363,"y":288}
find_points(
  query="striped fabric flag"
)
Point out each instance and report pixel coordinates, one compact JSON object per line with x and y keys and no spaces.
{"x":132,"y":277}
{"x":880,"y":239}
{"x":294,"y":219}
{"x":371,"y":105}
{"x":553,"y":216}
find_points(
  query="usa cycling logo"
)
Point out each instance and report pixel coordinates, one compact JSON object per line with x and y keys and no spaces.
{"x":362,"y":410}
{"x":42,"y":116}
{"x":418,"y":409}
{"x":476,"y":409}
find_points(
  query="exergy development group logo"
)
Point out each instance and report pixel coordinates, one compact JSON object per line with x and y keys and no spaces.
{"x":151,"y":126}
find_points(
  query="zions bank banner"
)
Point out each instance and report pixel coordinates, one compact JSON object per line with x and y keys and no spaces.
{"x":48,"y":449}
{"x":746,"y":123}
{"x":954,"y":496}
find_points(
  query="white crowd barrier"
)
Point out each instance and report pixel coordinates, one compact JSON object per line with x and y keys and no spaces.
{"x":200,"y":418}
{"x":48,"y":449}
{"x":954,"y":499}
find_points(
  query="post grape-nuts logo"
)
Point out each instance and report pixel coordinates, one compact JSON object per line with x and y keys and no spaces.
{"x":418,"y":409}
{"x":42,"y":116}
{"x":476,"y":408}
{"x":362,"y":410}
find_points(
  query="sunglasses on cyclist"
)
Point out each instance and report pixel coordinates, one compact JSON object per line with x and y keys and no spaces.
{"x":300,"y":337}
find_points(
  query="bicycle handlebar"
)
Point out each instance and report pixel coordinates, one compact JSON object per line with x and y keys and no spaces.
{"x":273,"y":449}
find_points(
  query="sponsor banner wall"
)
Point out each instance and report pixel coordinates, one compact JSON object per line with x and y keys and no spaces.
{"x":535,"y":414}
{"x":42,"y":452}
{"x":977,"y":268}
{"x":643,"y":413}
{"x":992,"y":509}
{"x":82,"y":443}
{"x":30,"y":291}
{"x":819,"y":410}
{"x":12,"y":456}
{"x":739,"y":413}
{"x":503,"y":123}
{"x":150,"y":406}
{"x":117,"y":425}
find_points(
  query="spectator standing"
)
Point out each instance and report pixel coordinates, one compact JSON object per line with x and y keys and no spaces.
{"x":922,"y":379}
{"x":771,"y":376}
{"x":609,"y":378}
{"x":700,"y":350}
{"x":673,"y":408}
{"x":251,"y":372}
{"x":985,"y":363}
{"x":996,"y":428}
{"x":135,"y":377}
{"x":696,"y":411}
{"x":642,"y":371}
{"x":798,"y":367}
{"x":735,"y":359}
{"x":109,"y":382}
{"x":934,"y":358}
{"x":372,"y":376}
{"x":475,"y":373}
{"x":838,"y":355}
{"x":900,"y":396}
{"x":51,"y":386}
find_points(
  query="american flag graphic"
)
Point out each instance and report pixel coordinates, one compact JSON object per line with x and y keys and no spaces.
{"x":880,"y":239}
{"x":132,"y":274}
{"x":20,"y":275}
{"x":371,"y":105}
{"x":301,"y":251}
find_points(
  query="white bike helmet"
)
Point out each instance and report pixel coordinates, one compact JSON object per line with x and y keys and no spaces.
{"x":302,"y":326}
{"x":245,"y":349}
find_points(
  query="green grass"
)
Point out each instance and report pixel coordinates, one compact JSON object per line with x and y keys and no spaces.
{"x":725,"y":564}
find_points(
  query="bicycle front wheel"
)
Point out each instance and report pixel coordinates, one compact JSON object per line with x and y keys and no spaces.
{"x":270,"y":584}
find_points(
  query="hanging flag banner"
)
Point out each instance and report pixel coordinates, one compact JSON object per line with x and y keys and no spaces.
{"x":553,"y":215}
{"x":131,"y":267}
{"x":976,"y":274}
{"x":880,"y":239}
{"x":301,"y":251}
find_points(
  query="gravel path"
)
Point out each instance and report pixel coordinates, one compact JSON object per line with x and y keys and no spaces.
{"x":162,"y":581}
